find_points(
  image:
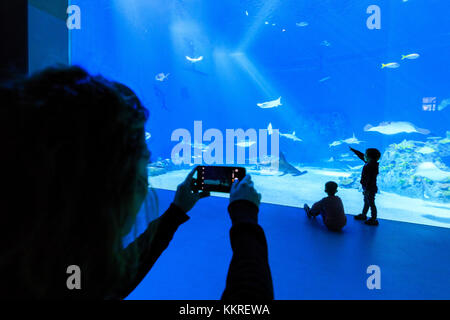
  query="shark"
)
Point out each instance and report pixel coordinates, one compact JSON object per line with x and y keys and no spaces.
{"x":286,"y":168}
{"x":196,"y":145}
{"x":270,"y":129}
{"x":392,"y":127}
{"x":355,"y":168}
{"x":352,"y":140}
{"x":335,"y":143}
{"x":291,"y":136}
{"x":283,"y":165}
{"x":245,"y":143}
{"x":270,"y":104}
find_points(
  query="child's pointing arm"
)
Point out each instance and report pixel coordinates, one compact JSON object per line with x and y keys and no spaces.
{"x":359,"y":154}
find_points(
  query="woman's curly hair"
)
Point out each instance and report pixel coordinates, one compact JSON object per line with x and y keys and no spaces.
{"x":71,"y":148}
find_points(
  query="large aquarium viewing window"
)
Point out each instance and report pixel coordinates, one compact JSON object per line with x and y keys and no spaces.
{"x":285,"y":88}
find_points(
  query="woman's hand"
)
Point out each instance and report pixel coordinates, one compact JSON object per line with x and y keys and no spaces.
{"x":185,"y":197}
{"x":244,"y":190}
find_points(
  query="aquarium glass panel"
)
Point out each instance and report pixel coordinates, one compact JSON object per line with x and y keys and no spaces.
{"x":285,"y":89}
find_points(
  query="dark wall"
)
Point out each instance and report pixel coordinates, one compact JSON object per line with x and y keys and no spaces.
{"x":48,"y":36}
{"x":13,"y":37}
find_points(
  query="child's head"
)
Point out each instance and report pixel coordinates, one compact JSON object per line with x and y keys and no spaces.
{"x":372,"y":154}
{"x":331,"y":188}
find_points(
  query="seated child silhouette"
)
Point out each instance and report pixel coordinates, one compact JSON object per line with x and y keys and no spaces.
{"x":331,"y":208}
{"x":369,"y":184}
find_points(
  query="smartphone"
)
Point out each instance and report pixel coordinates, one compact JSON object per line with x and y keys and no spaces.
{"x":216,"y":178}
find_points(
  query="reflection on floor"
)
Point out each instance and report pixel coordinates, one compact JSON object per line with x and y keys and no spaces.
{"x":295,"y":191}
{"x":307,"y":261}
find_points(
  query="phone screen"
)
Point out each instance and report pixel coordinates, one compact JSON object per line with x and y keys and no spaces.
{"x":216,"y":178}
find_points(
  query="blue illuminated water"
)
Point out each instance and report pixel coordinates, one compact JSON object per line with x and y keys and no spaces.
{"x":325,"y":66}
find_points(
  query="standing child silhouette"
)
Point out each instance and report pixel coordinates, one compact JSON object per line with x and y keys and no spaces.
{"x":369,"y":183}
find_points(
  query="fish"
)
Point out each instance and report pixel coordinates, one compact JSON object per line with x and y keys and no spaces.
{"x":426,"y":150}
{"x":352,"y":140}
{"x":395,"y":127}
{"x":444,"y":104}
{"x":267,"y":22}
{"x":194,"y":60}
{"x":410,"y":56}
{"x":324,"y":79}
{"x":302,"y":24}
{"x":284,"y":30}
{"x":431,"y":171}
{"x":246,"y":13}
{"x":270,"y":104}
{"x":161,"y":76}
{"x":325,"y":43}
{"x":147,"y":135}
{"x":330,"y":160}
{"x":286,"y":168}
{"x":291,"y":136}
{"x":269,"y":129}
{"x":245,"y":143}
{"x":390,"y":65}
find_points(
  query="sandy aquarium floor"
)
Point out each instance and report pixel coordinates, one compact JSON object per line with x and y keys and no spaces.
{"x":295,"y":191}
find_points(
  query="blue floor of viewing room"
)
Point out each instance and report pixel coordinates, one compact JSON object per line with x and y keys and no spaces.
{"x":307,"y":261}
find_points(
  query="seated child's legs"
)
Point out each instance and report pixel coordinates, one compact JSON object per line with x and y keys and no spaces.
{"x":334,"y":228}
{"x":314,"y":212}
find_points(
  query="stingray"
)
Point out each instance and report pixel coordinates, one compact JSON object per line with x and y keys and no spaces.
{"x":395,"y":127}
{"x":431,"y":171}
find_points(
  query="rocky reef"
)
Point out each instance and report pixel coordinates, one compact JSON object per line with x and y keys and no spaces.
{"x":414,"y":169}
